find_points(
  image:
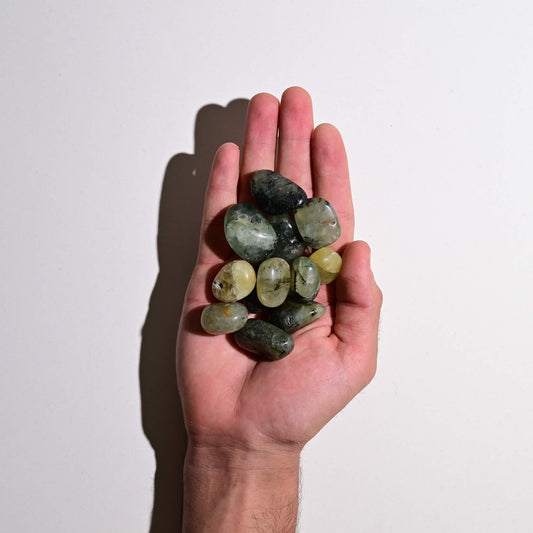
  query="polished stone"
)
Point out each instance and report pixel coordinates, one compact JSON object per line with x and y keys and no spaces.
{"x":292,"y":316}
{"x":329,"y":264}
{"x":249,"y":233}
{"x":305,"y":279}
{"x":276,"y":194}
{"x":221,"y":318}
{"x":317,"y":223}
{"x":234,"y":281}
{"x":273,"y":281}
{"x":264,"y":339}
{"x":290,"y":244}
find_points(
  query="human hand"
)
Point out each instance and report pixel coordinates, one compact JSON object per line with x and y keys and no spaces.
{"x":236,"y":406}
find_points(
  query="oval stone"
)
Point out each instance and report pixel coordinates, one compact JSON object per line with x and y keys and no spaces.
{"x":249,"y":233}
{"x":329,"y":264}
{"x":264,"y":339}
{"x":290,"y":244}
{"x":234,"y":281}
{"x":273,"y":281}
{"x":318,"y":223}
{"x":305,"y":279}
{"x":292,"y":316}
{"x":276,"y":194}
{"x":221,"y":318}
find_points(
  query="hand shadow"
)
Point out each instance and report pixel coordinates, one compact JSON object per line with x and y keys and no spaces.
{"x":180,"y":213}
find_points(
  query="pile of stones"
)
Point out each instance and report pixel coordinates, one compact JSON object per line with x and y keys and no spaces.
{"x":285,"y":282}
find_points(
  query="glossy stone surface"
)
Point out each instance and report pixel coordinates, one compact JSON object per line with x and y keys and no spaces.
{"x":305,"y":279}
{"x":275,"y":193}
{"x":249,"y":233}
{"x":234,"y":281}
{"x":291,"y":316}
{"x":222,"y":318}
{"x":264,"y":339}
{"x":317,"y":223}
{"x":290,"y":244}
{"x":273,"y":281}
{"x":329,"y":264}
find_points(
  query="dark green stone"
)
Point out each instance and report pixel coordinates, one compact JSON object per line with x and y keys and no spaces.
{"x":264,"y":339}
{"x":305,"y":279}
{"x":276,"y":194}
{"x":291,"y":315}
{"x":249,"y":233}
{"x":290,"y":244}
{"x":317,"y":223}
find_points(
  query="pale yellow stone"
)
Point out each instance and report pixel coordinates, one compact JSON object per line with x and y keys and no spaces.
{"x":273,"y":281}
{"x":234,"y":281}
{"x":329,"y":263}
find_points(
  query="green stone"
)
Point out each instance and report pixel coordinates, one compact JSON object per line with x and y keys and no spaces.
{"x":249,"y":233}
{"x":273,"y":281}
{"x":317,"y":223}
{"x":275,"y":193}
{"x":290,"y":244}
{"x":329,"y":264}
{"x":221,"y":318}
{"x":264,"y":339}
{"x":291,"y":315}
{"x":234,"y":281}
{"x":305,"y":279}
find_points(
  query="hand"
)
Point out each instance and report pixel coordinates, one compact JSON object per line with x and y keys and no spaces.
{"x":235,"y":406}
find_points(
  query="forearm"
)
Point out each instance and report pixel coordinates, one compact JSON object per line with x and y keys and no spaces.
{"x":237,"y":491}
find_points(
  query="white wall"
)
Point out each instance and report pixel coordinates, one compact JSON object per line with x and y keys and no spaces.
{"x":434,"y":101}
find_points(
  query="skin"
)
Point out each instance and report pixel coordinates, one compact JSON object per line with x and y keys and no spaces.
{"x":247,"y":421}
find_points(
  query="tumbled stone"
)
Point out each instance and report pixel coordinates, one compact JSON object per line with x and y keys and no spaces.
{"x":276,"y":194}
{"x":273,"y":281}
{"x":329,"y":264}
{"x":290,"y":244}
{"x":221,"y":318}
{"x":249,"y":233}
{"x":317,"y":223}
{"x":234,"y":281}
{"x":292,"y":316}
{"x":264,"y":339}
{"x":305,"y":280}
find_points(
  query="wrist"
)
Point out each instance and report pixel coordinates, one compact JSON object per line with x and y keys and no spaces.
{"x":235,"y":490}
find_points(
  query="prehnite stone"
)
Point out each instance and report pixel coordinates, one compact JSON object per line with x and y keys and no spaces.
{"x":290,"y":244}
{"x":249,"y":233}
{"x":276,"y":194}
{"x":253,"y":304}
{"x":264,"y":339}
{"x":234,"y":281}
{"x":329,"y":264}
{"x":317,"y":223}
{"x":222,"y":318}
{"x":305,"y":279}
{"x":273,"y":281}
{"x":291,"y":315}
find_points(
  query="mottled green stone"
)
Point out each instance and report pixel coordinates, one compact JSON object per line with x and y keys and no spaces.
{"x":234,"y":281}
{"x":317,"y":223}
{"x":275,"y":193}
{"x":264,"y":339}
{"x":221,"y":318}
{"x":291,"y":315}
{"x":249,"y":233}
{"x":305,"y":279}
{"x":273,"y":281}
{"x":329,"y":264}
{"x":290,"y":244}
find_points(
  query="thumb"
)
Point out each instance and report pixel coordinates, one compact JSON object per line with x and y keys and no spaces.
{"x":358,"y":306}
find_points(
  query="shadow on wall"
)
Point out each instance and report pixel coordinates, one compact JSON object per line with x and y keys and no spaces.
{"x":180,"y":213}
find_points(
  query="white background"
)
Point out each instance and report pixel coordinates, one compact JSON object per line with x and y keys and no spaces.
{"x":434,"y":100}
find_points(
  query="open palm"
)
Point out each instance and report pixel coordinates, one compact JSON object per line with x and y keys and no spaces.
{"x":230,"y":398}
